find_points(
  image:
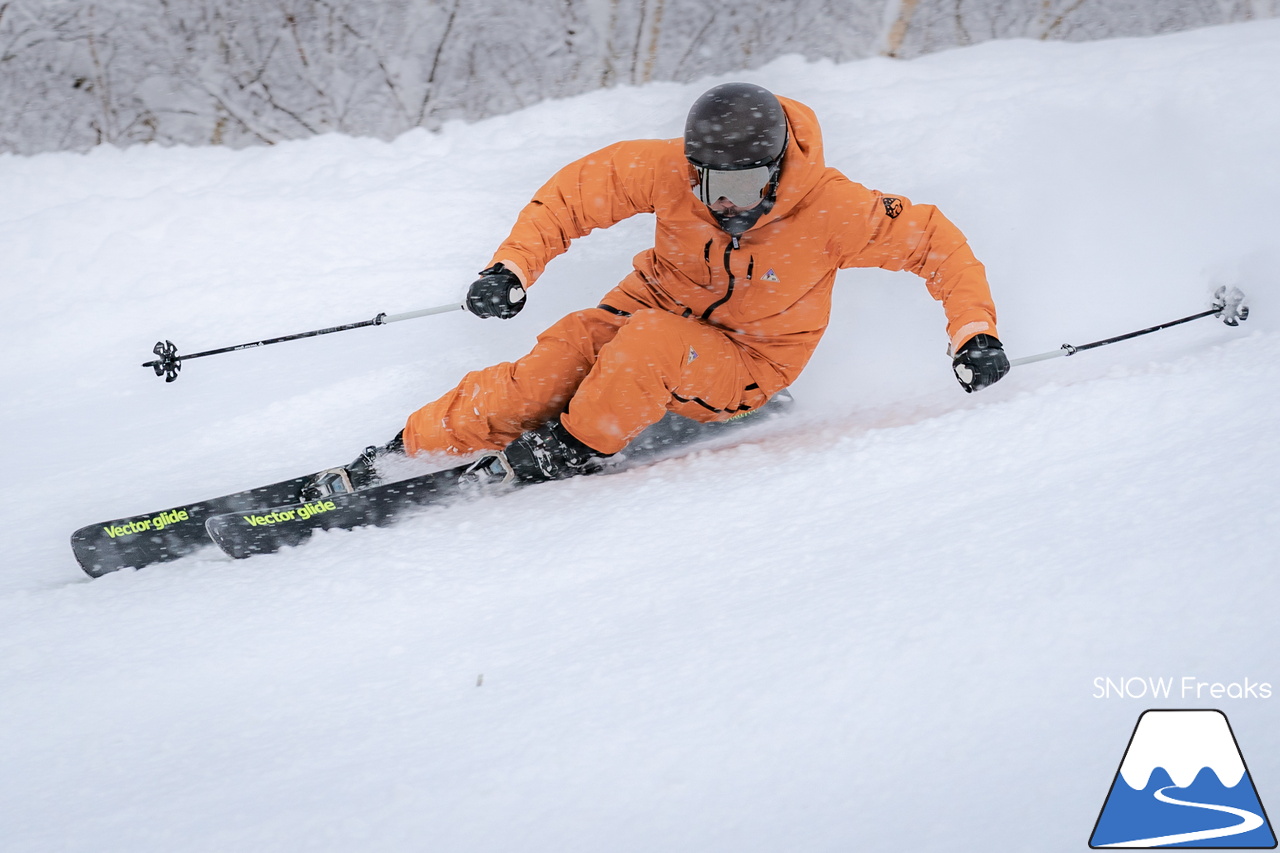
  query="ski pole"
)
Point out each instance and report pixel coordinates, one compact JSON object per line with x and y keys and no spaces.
{"x":168,"y":362}
{"x":1227,"y":305}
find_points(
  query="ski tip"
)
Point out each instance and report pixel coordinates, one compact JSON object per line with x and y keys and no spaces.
{"x":94,"y":560}
{"x":221,"y":529}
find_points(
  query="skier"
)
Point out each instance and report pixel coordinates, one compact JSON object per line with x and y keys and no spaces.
{"x":721,"y":314}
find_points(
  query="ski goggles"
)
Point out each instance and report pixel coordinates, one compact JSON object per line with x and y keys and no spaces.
{"x":742,"y":187}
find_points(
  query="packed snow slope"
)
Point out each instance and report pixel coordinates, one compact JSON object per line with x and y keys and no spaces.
{"x":875,"y":625}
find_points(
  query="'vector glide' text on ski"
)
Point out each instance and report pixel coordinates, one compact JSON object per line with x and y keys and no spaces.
{"x":302,"y":513}
{"x":157,"y":522}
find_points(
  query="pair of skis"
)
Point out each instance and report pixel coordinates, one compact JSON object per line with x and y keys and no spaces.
{"x":256,"y":521}
{"x":266,"y":519}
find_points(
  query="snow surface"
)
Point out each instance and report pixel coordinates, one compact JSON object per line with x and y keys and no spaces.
{"x":874,"y":626}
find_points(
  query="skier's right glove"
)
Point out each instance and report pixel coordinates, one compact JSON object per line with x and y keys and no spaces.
{"x":497,"y":293}
{"x":980,"y":362}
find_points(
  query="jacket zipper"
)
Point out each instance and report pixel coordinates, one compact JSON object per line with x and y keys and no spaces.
{"x":728,"y":249}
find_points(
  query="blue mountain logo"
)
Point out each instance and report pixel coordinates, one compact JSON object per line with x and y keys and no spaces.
{"x":1183,"y":783}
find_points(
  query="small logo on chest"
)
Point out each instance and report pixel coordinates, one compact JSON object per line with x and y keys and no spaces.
{"x":769,"y":276}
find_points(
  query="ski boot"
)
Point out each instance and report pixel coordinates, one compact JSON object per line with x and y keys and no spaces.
{"x":359,"y":474}
{"x":549,"y":452}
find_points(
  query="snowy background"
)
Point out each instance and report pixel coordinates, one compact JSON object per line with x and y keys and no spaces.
{"x":875,"y":625}
{"x":80,"y":73}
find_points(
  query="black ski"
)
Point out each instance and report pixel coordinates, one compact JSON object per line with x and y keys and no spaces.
{"x":244,"y":534}
{"x":158,"y":537}
{"x":265,"y":531}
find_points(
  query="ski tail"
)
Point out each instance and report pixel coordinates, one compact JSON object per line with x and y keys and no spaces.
{"x":165,"y":535}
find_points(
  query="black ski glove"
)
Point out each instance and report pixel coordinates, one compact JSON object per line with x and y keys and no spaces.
{"x":497,"y":293}
{"x":980,"y":362}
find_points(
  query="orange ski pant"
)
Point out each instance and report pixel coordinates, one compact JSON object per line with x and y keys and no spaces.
{"x":610,"y":374}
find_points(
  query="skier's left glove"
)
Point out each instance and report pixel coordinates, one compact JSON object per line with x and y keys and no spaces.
{"x":980,"y":362}
{"x":497,"y":293}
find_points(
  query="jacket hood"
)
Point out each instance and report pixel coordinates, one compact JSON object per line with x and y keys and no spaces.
{"x":803,"y":165}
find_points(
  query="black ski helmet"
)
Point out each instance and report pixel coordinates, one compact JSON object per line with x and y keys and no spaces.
{"x":735,"y":126}
{"x":734,"y":137}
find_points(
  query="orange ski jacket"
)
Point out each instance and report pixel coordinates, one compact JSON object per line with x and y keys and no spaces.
{"x":770,"y":289}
